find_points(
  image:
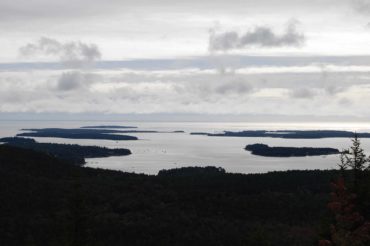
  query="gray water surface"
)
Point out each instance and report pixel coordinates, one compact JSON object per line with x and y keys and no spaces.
{"x":156,"y":151}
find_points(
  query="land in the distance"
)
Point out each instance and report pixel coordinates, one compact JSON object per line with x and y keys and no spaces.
{"x":127,"y":127}
{"x":108,"y":127}
{"x":97,"y":134}
{"x":102,"y":133}
{"x":72,"y":153}
{"x":265,"y":150}
{"x":288,"y":134}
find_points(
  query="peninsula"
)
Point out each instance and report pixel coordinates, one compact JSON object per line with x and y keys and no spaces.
{"x":71,"y":153}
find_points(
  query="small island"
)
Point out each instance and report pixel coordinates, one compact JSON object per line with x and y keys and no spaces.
{"x":265,"y":150}
{"x":71,"y":153}
{"x":200,"y":133}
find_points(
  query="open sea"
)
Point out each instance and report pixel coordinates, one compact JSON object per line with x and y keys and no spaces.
{"x":156,"y":151}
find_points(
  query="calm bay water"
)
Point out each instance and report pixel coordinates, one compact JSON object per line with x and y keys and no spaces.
{"x":156,"y":151}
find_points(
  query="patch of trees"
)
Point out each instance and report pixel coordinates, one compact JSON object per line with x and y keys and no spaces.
{"x":45,"y":201}
{"x":71,"y":153}
{"x":265,"y":150}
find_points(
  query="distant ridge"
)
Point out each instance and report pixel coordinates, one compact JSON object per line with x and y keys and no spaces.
{"x":289,"y":134}
{"x":108,"y":127}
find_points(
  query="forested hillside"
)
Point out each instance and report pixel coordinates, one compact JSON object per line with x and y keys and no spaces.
{"x":48,"y":202}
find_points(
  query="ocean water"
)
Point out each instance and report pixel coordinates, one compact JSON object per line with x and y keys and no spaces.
{"x":156,"y":151}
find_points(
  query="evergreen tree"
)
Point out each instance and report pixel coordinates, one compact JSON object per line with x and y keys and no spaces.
{"x":355,"y":160}
{"x":350,"y":226}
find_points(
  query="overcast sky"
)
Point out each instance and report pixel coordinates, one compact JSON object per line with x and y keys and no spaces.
{"x":240,"y":57}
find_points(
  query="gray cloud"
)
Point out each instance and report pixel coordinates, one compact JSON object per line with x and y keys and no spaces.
{"x":75,"y":80}
{"x":362,"y":6}
{"x":70,"y":81}
{"x":74,"y":53}
{"x":302,"y":93}
{"x":237,"y":87}
{"x":329,"y":84}
{"x":258,"y":37}
{"x":334,"y":90}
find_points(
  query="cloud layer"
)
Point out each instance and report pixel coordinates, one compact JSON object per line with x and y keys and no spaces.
{"x":260,"y":36}
{"x":248,"y":90}
{"x":74,"y":53}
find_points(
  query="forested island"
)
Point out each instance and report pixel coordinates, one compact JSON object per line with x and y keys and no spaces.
{"x":97,"y":134}
{"x":71,"y":153}
{"x":289,"y":134}
{"x":265,"y":150}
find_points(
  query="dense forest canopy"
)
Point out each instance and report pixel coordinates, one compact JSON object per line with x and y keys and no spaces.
{"x":47,"y":202}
